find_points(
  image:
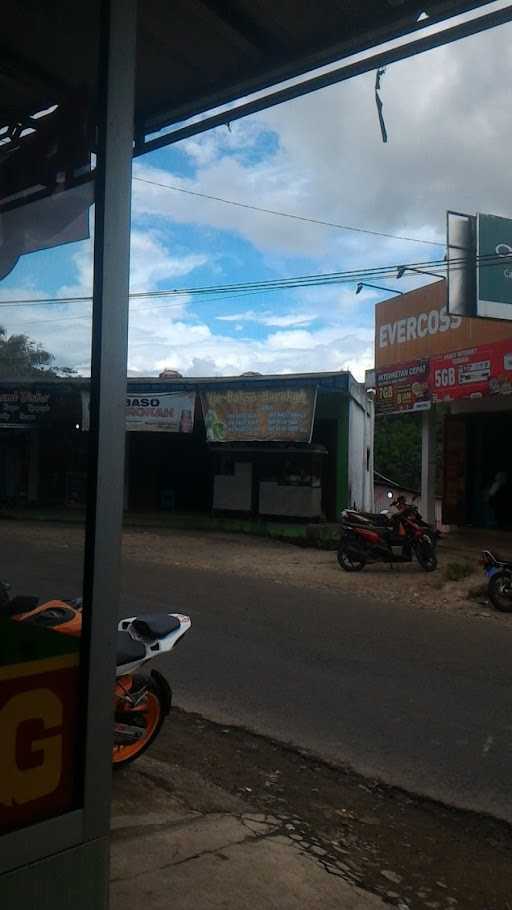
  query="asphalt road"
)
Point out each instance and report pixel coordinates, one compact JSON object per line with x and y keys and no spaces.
{"x":418,"y":699}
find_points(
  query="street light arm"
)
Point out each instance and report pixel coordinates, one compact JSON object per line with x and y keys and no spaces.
{"x":378,"y":287}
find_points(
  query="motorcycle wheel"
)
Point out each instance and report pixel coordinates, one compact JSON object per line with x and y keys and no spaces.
{"x":500,"y":592}
{"x":148,"y":717}
{"x":351,"y":560}
{"x":425,"y":554}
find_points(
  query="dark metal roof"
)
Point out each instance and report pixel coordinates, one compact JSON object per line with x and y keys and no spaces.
{"x":334,"y":381}
{"x":340,"y":382}
{"x":194,"y":55}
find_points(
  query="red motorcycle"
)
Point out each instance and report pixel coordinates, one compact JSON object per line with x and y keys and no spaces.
{"x":366,"y":537}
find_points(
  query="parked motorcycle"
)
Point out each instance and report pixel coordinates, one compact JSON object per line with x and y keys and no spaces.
{"x":366,"y":537}
{"x":410,"y":509}
{"x":499,"y":589}
{"x":141,"y":700}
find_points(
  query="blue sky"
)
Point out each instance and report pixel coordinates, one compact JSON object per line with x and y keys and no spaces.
{"x":450,"y":125}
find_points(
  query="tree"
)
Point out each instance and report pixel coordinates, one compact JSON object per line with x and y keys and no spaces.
{"x":22,"y":357}
{"x":397,"y":448}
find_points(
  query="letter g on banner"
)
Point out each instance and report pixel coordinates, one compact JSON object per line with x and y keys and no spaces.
{"x":31,"y":751}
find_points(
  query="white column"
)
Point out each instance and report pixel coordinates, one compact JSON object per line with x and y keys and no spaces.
{"x":428,"y":466}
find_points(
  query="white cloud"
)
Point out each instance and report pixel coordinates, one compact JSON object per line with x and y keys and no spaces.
{"x":65,"y":328}
{"x":150,"y":264}
{"x":264,"y":317}
{"x":196,"y":350}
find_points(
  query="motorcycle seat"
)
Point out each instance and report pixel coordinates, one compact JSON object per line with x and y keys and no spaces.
{"x":376,"y":518}
{"x":366,"y":520}
{"x":128,"y":650}
{"x":153,"y":626}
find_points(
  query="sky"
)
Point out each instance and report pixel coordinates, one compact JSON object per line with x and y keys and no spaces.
{"x":449,"y":123}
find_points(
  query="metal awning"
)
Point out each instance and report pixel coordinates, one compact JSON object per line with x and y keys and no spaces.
{"x":195,"y":55}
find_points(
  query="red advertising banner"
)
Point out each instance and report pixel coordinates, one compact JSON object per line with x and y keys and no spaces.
{"x":39,"y":719}
{"x":484,"y":371}
{"x":403,"y":388}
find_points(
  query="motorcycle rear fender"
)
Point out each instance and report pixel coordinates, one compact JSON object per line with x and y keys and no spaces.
{"x":164,"y":690}
{"x":368,"y":536}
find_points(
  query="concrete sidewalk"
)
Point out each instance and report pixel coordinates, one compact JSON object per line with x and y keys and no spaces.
{"x":180,"y":842}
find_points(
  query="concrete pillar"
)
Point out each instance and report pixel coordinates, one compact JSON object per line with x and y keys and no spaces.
{"x":428,"y":465}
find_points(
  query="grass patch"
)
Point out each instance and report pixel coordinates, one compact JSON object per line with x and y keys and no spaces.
{"x":458,"y":571}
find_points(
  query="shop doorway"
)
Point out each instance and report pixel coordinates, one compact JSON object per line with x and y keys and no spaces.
{"x":489,"y":470}
{"x":13,"y":467}
{"x":168,"y":472}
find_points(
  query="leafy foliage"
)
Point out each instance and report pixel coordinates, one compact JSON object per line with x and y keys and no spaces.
{"x":397,"y":450}
{"x":22,"y":357}
{"x":458,"y":571}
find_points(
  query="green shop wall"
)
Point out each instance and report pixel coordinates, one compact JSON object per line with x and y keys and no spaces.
{"x":335,"y":406}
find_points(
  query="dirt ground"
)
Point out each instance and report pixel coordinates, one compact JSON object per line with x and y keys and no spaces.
{"x":413,"y":852}
{"x":288,"y":564}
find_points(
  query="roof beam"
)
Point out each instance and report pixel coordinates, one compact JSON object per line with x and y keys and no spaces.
{"x":339,"y":74}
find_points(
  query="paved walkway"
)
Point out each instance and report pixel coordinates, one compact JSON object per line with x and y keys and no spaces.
{"x":206,"y":850}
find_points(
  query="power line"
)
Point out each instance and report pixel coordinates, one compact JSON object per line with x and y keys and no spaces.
{"x":304,"y":218}
{"x":206,"y":294}
{"x":296,"y":281}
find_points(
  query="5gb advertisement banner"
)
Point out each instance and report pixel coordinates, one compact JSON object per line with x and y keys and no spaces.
{"x":484,"y":371}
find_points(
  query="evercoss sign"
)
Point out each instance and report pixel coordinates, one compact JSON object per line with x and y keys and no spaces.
{"x":417,"y":326}
{"x":410,"y":328}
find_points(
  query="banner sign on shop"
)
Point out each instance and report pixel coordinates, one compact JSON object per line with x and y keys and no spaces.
{"x":169,"y":412}
{"x":259,"y":415}
{"x":403,"y":388}
{"x":417,"y":326}
{"x":166,"y":412}
{"x":24,"y":408}
{"x":484,"y":371}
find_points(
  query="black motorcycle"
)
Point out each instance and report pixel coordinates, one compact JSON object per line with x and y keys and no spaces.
{"x":499,"y":588}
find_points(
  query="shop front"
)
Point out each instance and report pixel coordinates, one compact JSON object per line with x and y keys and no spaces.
{"x":287,"y":447}
{"x":456,"y":371}
{"x":42,"y":457}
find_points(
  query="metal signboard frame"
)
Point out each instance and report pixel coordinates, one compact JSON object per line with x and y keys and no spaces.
{"x":461,"y":259}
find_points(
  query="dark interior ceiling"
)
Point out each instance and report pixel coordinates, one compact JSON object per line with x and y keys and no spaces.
{"x":193,"y":54}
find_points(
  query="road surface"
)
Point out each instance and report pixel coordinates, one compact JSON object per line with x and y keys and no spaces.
{"x":421,"y":700}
